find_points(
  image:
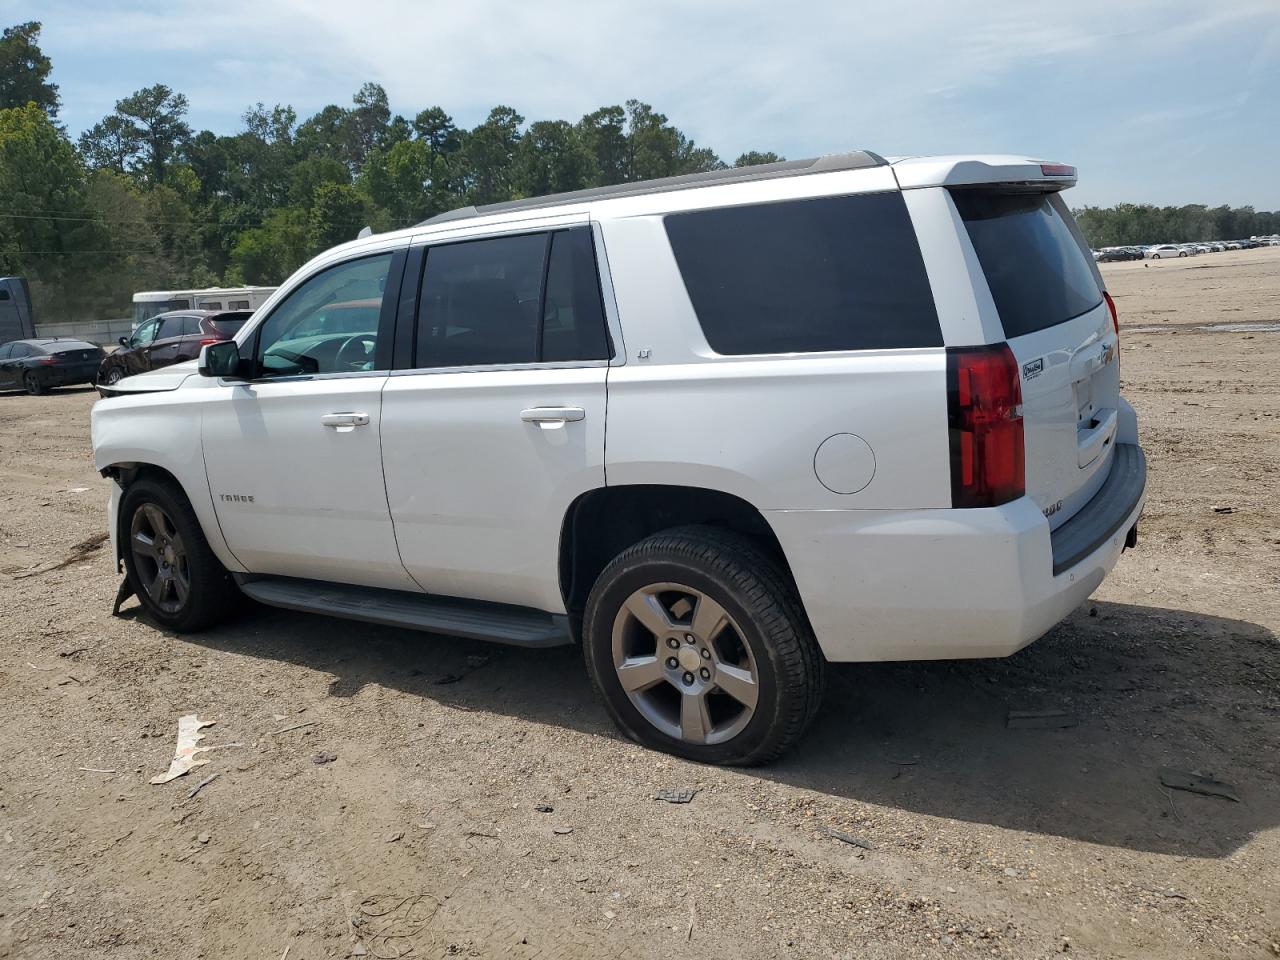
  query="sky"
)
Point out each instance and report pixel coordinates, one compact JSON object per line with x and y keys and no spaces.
{"x":1155,"y":101}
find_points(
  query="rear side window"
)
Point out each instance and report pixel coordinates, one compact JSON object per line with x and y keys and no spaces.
{"x":508,"y":300}
{"x":806,"y":276}
{"x":1039,"y":270}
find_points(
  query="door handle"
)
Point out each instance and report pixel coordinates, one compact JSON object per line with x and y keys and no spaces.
{"x":552,"y":418}
{"x":344,"y":422}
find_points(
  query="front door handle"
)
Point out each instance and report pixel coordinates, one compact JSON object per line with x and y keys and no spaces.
{"x":552,"y":418}
{"x":344,"y":422}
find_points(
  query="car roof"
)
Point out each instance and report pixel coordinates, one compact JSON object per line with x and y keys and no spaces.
{"x":201,"y":313}
{"x":45,"y":341}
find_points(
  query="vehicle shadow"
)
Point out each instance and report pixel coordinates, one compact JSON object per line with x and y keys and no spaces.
{"x":1145,"y":688}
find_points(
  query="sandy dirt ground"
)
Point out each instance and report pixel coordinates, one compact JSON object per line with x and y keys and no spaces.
{"x":422,"y":839}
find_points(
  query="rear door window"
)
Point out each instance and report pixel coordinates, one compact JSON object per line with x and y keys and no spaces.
{"x":806,"y":276}
{"x":511,"y":300}
{"x":1038,"y":267}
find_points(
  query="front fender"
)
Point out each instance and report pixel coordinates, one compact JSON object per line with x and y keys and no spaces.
{"x":160,"y":430}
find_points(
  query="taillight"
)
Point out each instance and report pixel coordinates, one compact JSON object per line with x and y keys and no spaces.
{"x":48,"y":361}
{"x":205,"y":341}
{"x":1115,"y":317}
{"x":984,"y":409}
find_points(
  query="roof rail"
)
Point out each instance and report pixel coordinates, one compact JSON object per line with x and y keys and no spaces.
{"x":764,"y":171}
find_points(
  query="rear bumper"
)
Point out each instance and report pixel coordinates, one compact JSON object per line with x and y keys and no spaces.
{"x":943,"y":584}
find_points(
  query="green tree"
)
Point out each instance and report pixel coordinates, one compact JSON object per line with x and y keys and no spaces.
{"x":488,"y":152}
{"x":338,"y":212}
{"x":603,"y":134}
{"x":269,"y":253}
{"x":111,"y":144}
{"x":436,"y":128}
{"x":157,"y":116}
{"x":24,"y":70}
{"x":550,"y":158}
{"x":48,"y":230}
{"x":755,"y":157}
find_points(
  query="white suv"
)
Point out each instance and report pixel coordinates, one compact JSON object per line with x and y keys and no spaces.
{"x":719,"y":429}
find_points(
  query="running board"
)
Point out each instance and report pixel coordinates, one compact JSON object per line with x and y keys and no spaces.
{"x":474,"y":619}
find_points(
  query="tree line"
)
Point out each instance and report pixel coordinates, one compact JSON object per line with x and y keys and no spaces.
{"x":1130,"y":224}
{"x":142,"y":201}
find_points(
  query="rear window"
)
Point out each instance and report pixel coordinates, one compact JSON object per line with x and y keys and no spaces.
{"x":806,"y":276}
{"x":227,"y":326}
{"x":68,"y":346}
{"x":1040,"y":272}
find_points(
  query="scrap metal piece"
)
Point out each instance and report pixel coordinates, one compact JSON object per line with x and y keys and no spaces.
{"x":675,"y":796}
{"x":1194,"y":782}
{"x":185,"y":754}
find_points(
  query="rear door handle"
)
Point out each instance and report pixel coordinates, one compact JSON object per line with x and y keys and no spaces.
{"x":552,"y":418}
{"x":344,"y":422}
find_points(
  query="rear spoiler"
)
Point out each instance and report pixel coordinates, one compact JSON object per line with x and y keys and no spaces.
{"x":1000,"y":172}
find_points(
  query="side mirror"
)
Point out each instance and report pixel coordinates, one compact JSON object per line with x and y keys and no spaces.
{"x":221,"y":359}
{"x":124,"y":341}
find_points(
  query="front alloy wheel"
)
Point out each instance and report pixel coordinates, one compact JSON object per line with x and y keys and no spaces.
{"x":160,"y":558}
{"x":683,"y":664}
{"x":113,"y":376}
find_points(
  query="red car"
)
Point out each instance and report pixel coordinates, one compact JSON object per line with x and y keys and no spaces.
{"x":169,"y":338}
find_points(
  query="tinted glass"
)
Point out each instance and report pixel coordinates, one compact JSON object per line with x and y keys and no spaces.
{"x":1039,"y":270}
{"x":21,"y":350}
{"x":237,"y":304}
{"x":573,"y":326}
{"x":835,"y":273}
{"x":480,"y":302}
{"x":329,"y":324}
{"x":228,"y":326}
{"x":171,"y":327}
{"x":69,"y":346}
{"x":5,"y":350}
{"x":191,"y":326}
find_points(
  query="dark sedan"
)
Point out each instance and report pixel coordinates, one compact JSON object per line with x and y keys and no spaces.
{"x":169,"y":338}
{"x":41,"y":364}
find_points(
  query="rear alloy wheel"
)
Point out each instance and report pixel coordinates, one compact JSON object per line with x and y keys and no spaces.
{"x":32,"y":383}
{"x":170,"y":566}
{"x":699,"y":647}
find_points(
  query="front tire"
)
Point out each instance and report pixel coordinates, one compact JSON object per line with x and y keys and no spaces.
{"x":113,"y":377}
{"x":173,"y":572}
{"x":699,"y":647}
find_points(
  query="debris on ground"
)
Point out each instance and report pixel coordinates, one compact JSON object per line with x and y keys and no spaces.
{"x":1169,"y":892}
{"x":203,"y":838}
{"x":323,"y":758}
{"x":675,"y":796}
{"x":544,"y":808}
{"x":1224,"y":509}
{"x":202,"y":784}
{"x":849,"y":838}
{"x":78,"y":552}
{"x":1196,"y":782}
{"x":562,"y":830}
{"x":393,"y":837}
{"x":185,"y":754}
{"x":1040,"y":720}
{"x":296,"y":726}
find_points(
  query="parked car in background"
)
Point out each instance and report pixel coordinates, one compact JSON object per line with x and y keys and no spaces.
{"x":169,"y":338}
{"x":40,"y":364}
{"x":1112,"y":254}
{"x":1164,"y":251}
{"x":152,"y":303}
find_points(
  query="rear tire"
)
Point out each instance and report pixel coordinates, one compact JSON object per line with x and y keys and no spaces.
{"x":699,"y":647}
{"x":33,"y":384}
{"x":173,"y":572}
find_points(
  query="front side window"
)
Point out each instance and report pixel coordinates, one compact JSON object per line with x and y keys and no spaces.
{"x":510,"y":300}
{"x":329,"y":324}
{"x":805,"y":276}
{"x":144,"y":334}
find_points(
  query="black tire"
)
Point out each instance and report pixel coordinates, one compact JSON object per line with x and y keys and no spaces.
{"x":32,"y":384}
{"x":768,"y":617}
{"x":113,"y":377}
{"x":211,"y":593}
